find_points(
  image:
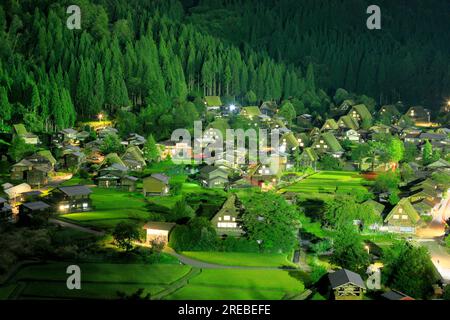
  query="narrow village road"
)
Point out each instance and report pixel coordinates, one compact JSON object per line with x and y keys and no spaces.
{"x":76,"y":227}
{"x":439,"y":256}
{"x":431,"y":237}
{"x":205,"y":265}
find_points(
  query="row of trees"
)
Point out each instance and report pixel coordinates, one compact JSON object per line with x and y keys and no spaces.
{"x":128,"y":54}
{"x":388,"y":64}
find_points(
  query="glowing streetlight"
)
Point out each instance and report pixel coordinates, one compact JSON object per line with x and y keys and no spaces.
{"x":232,"y":107}
{"x":100,"y":116}
{"x":367,"y":248}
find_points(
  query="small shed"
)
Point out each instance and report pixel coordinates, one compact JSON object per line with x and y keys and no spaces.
{"x":158,"y":231}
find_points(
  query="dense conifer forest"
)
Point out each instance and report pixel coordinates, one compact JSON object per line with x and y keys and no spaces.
{"x":150,"y":63}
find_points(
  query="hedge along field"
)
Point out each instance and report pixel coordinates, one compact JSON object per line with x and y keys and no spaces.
{"x":329,"y":181}
{"x":230,"y":284}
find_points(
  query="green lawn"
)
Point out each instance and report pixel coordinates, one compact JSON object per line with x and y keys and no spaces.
{"x":242,"y":259}
{"x":75,"y":181}
{"x":111,"y":207}
{"x":230,"y":284}
{"x":99,"y":281}
{"x":328,"y":182}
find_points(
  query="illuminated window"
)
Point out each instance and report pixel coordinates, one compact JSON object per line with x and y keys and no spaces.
{"x":400,"y":210}
{"x":404,"y":217}
{"x":227,"y":225}
{"x":226,"y":218}
{"x":396,"y":217}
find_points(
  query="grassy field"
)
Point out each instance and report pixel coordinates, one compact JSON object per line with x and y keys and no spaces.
{"x":230,"y":284}
{"x":103,"y":281}
{"x":329,"y":182}
{"x":77,"y":181}
{"x":242,"y":259}
{"x":98,"y":280}
{"x":111,"y":207}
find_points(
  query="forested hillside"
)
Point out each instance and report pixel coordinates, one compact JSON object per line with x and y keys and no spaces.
{"x":160,"y":58}
{"x":133,"y":53}
{"x":406,"y":60}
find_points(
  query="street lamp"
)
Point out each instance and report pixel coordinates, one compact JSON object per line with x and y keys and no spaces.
{"x":100,"y":116}
{"x":367,"y":248}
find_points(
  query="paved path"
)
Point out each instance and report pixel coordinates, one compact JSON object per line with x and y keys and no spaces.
{"x":439,"y":256}
{"x":76,"y":227}
{"x":205,"y":265}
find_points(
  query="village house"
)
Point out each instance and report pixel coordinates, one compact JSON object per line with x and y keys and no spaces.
{"x":419,"y":115}
{"x":251,"y":112}
{"x":269,"y":108}
{"x":347,"y":122}
{"x":14,"y":193}
{"x":390,"y":111}
{"x":304,"y":121}
{"x":214,"y":177}
{"x":346,"y":285}
{"x":73,"y":160}
{"x":106,"y":131}
{"x":308,"y":158}
{"x":72,"y":199}
{"x":129,"y":183}
{"x":377,"y":209}
{"x":346,"y":105}
{"x":31,"y":196}
{"x":158,"y":232}
{"x":213,"y":103}
{"x":21,"y":132}
{"x":266,"y":175}
{"x":133,"y":159}
{"x":412,"y":137}
{"x":352,"y":135}
{"x":226,"y":221}
{"x":330,"y":124}
{"x":360,"y":113}
{"x":395,"y":295}
{"x":5,"y":210}
{"x":33,"y":210}
{"x":115,"y":169}
{"x":289,"y":143}
{"x":66,"y":136}
{"x":303,"y":140}
{"x":34,"y":170}
{"x":134,"y":139}
{"x":175,"y":150}
{"x":108,"y":180}
{"x":403,"y":218}
{"x":327,"y":143}
{"x":439,"y":164}
{"x":156,"y":185}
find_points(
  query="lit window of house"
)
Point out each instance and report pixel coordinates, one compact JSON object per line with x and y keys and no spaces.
{"x":227,"y":225}
{"x":400,"y":210}
{"x":226,"y":218}
{"x":404,"y":217}
{"x":321,"y":141}
{"x":396,"y":217}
